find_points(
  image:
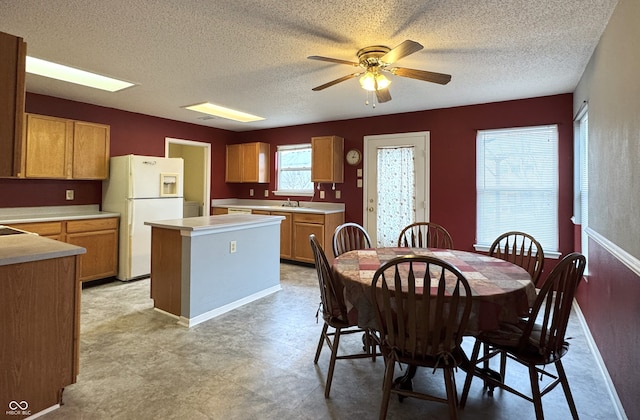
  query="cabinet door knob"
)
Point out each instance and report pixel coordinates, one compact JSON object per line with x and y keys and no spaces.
{"x":371,"y":209}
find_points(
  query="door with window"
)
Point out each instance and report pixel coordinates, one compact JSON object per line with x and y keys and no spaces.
{"x":396,"y":182}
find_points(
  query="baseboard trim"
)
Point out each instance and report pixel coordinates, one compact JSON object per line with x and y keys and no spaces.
{"x":190,"y":322}
{"x":611,"y":389}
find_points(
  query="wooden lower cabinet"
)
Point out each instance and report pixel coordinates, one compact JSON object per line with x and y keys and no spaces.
{"x":219,"y":210}
{"x":40,"y":313}
{"x":98,"y":236}
{"x":322,"y":226}
{"x":302,"y":248}
{"x":52,"y":230}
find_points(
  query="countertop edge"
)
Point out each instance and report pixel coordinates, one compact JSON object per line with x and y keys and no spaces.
{"x":10,"y":215}
{"x":17,"y":249}
{"x":57,"y":218}
{"x":210,"y":224}
{"x":284,"y":209}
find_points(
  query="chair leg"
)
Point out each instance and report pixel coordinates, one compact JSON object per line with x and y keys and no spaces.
{"x":323,"y":336}
{"x":535,"y":392}
{"x":386,"y":387}
{"x":332,"y":362}
{"x":503,"y":365}
{"x":452,"y":394}
{"x":565,"y":387}
{"x":472,"y":368}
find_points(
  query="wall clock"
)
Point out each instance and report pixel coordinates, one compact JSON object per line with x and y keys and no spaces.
{"x":354,"y":157}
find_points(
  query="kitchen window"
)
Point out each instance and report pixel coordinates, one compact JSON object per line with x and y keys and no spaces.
{"x":293,"y":168}
{"x":517,"y":185}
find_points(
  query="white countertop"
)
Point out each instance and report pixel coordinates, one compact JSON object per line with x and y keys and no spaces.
{"x":21,"y":248}
{"x":213,"y":224}
{"x":52,"y":213}
{"x":277,"y":205}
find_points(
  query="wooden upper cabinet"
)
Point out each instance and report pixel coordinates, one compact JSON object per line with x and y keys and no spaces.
{"x":65,"y":149}
{"x":90,"y":150}
{"x":248,"y":162}
{"x":13,"y":51}
{"x":327,"y":154}
{"x":234,"y":163}
{"x":48,"y":147}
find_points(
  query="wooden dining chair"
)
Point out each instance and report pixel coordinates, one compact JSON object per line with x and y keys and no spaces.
{"x":425,"y":235}
{"x":538,"y":340}
{"x":420,"y":328}
{"x":335,"y":315}
{"x":524,"y":250}
{"x":521,"y":249}
{"x":349,"y":236}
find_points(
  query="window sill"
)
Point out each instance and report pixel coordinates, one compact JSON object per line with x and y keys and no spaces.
{"x":293,"y":193}
{"x":547,"y":254}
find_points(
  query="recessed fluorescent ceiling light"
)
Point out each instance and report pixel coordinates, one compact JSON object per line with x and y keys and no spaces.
{"x":71,"y":75}
{"x":220,"y":111}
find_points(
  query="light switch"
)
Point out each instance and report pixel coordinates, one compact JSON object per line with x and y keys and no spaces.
{"x":359,"y":172}
{"x":69,"y":194}
{"x":338,"y":195}
{"x":321,"y":194}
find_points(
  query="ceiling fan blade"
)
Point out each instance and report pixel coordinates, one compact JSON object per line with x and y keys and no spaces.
{"x":333,"y":60}
{"x":335,"y":82}
{"x":383,"y":95}
{"x":401,"y":51}
{"x":427,"y":76}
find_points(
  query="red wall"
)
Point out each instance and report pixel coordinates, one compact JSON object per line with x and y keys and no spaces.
{"x":453,"y":137}
{"x":453,"y":155}
{"x":609,"y":302}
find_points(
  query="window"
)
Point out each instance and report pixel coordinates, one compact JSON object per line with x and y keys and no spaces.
{"x":517,"y":184}
{"x":581,"y":178}
{"x":293,"y":163}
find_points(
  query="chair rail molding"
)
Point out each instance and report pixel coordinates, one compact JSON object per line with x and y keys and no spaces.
{"x":623,"y":256}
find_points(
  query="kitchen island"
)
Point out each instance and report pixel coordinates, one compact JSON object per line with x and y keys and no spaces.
{"x":202,"y":267}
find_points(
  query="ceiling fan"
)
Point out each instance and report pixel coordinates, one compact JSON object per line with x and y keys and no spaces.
{"x":377,"y":59}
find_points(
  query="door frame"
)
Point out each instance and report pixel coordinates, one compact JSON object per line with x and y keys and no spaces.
{"x":426,"y":136}
{"x":206,"y":194}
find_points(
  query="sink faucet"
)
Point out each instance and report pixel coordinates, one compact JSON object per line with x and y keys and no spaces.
{"x":290,"y":203}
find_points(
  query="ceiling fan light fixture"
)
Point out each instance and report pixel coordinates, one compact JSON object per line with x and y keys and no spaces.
{"x":373,"y":81}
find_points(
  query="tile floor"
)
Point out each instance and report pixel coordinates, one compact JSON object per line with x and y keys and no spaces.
{"x":256,"y":362}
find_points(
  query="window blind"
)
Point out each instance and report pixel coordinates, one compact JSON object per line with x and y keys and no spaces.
{"x":517,"y":184}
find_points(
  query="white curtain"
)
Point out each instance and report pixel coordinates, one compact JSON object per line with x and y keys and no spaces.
{"x":396,"y":193}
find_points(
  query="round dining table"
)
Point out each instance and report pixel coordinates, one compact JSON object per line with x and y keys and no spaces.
{"x":501,"y":291}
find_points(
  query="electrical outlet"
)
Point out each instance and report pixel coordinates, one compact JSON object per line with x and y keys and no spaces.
{"x":338,"y":194}
{"x":321,"y":194}
{"x":359,"y":183}
{"x":250,"y":192}
{"x":232,"y":247}
{"x":69,"y":195}
{"x":266,"y":193}
{"x":359,"y":172}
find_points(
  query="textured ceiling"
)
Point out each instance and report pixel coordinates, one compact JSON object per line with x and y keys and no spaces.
{"x":250,"y":55}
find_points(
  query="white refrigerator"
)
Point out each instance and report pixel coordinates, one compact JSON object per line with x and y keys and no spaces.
{"x":141,"y":189}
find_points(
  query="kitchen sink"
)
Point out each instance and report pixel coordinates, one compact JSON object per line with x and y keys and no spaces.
{"x":5,"y":230}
